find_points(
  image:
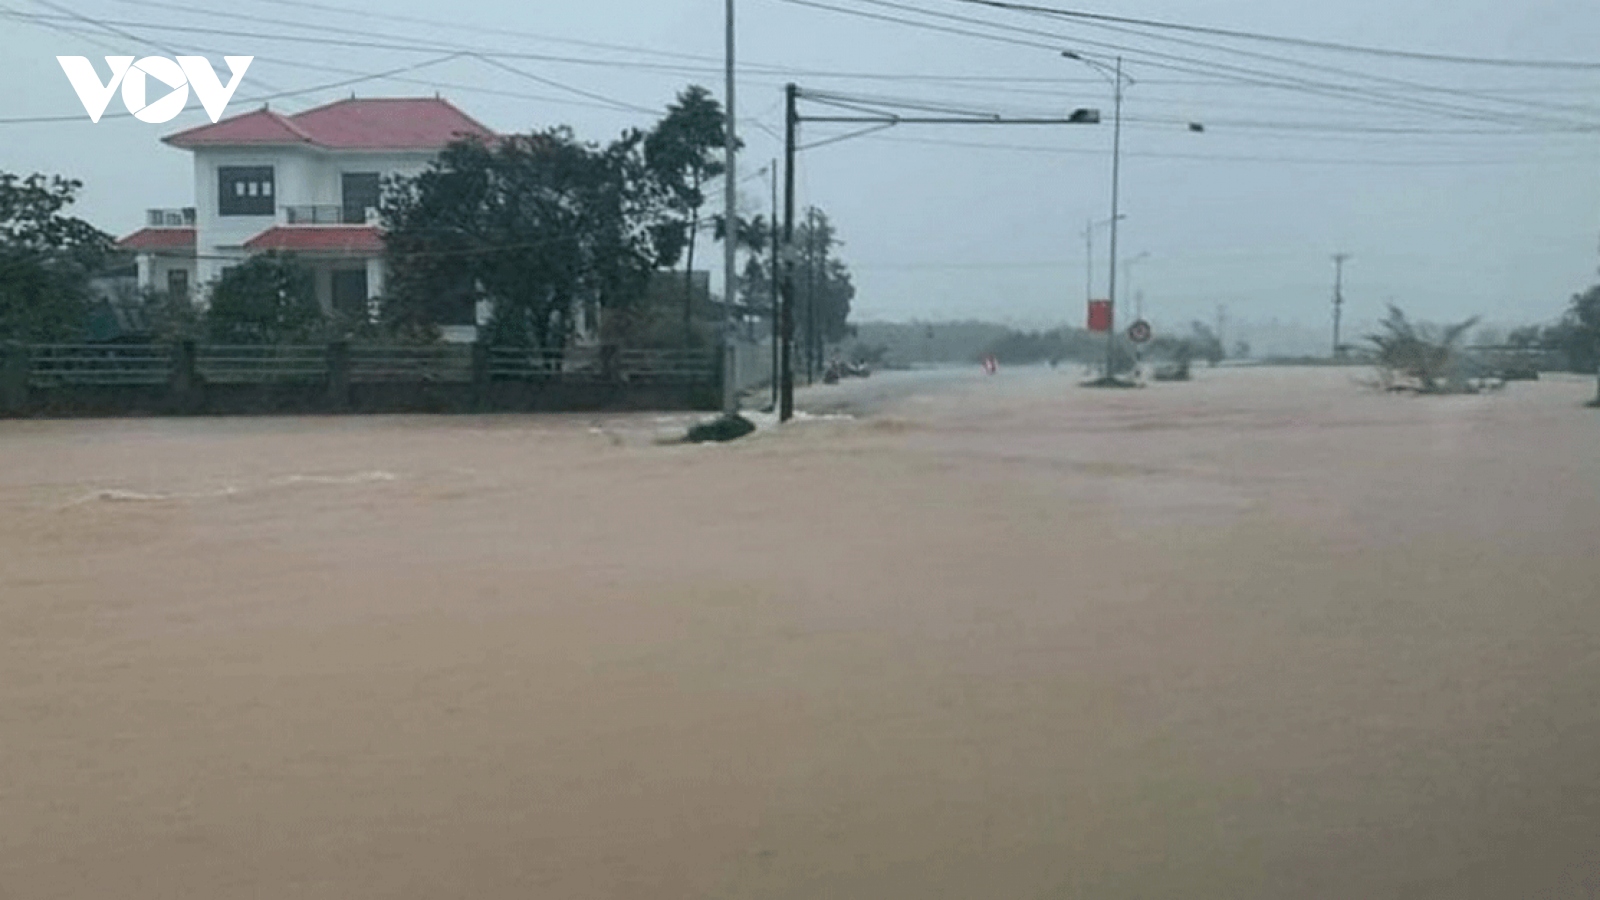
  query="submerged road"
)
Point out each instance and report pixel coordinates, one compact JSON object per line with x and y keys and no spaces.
{"x":1269,"y":634}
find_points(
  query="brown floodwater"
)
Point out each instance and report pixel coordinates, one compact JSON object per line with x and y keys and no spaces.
{"x":1270,"y":634}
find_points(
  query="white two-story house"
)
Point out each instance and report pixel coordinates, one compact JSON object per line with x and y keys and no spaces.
{"x":306,"y":183}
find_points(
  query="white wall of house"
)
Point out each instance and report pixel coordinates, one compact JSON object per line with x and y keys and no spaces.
{"x":302,"y":176}
{"x":154,"y":271}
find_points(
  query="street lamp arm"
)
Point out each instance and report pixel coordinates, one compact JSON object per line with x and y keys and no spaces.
{"x":1107,"y":72}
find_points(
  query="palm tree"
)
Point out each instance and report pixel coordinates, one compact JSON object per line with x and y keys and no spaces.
{"x":1426,"y":354}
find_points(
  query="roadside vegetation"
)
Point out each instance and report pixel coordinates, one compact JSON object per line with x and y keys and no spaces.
{"x":1421,"y":357}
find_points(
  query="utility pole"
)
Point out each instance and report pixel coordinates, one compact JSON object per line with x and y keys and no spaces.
{"x":730,"y":235}
{"x":791,"y":95}
{"x":1088,"y":264}
{"x":1116,"y":216}
{"x":774,"y":327}
{"x":1339,"y":259}
{"x":811,"y":296}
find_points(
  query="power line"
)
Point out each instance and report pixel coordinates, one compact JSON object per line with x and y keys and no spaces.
{"x":1292,"y":41}
{"x":259,"y":98}
{"x":112,"y":28}
{"x":877,"y":104}
{"x":389,"y":75}
{"x":1348,"y":73}
{"x":366,"y":16}
{"x":1254,"y":77}
{"x":1149,"y":55}
{"x":451,"y":51}
{"x":713,"y":64}
{"x":1220,"y":157}
{"x":550,"y":82}
{"x":1343,"y":93}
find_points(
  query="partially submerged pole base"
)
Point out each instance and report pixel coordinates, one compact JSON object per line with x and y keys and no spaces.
{"x":720,"y":430}
{"x":1109,"y":381}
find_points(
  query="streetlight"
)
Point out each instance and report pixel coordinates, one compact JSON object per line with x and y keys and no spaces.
{"x":1114,"y":75}
{"x":730,"y":255}
{"x":1117,"y":79}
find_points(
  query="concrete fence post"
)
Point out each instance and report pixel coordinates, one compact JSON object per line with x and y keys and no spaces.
{"x":14,"y":370}
{"x":610,"y":365}
{"x":184,"y":384}
{"x":481,"y":376}
{"x":339,"y":376}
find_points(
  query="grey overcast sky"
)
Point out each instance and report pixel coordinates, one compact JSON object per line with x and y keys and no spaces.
{"x":1459,"y":189}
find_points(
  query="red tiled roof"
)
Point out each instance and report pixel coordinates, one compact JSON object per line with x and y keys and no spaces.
{"x":355,"y":239}
{"x":398,"y":123}
{"x":152,"y":239}
{"x":262,"y":126}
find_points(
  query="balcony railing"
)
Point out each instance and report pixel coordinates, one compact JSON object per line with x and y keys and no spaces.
{"x":313,"y":214}
{"x":172,"y":217}
{"x":325,"y":214}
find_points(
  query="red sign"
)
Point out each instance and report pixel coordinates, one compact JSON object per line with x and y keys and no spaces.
{"x":1100,"y":315}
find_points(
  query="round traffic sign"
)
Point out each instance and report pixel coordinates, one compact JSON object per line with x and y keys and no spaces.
{"x":1139,"y":332}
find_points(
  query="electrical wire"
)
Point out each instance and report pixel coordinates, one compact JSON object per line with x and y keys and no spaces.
{"x":259,"y":98}
{"x":450,"y":51}
{"x":1219,"y":157}
{"x":1291,"y":41}
{"x":1148,"y":57}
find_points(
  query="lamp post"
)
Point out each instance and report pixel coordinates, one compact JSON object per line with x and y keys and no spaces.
{"x":730,"y":256}
{"x":1339,"y":259}
{"x":1115,"y":75}
{"x":1117,"y":80}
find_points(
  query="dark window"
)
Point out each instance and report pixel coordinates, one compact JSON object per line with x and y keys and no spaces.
{"x":350,"y":292}
{"x":245,"y":191}
{"x":178,"y":283}
{"x":360,"y":192}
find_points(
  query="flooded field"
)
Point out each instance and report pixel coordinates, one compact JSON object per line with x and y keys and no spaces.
{"x":1268,"y":634}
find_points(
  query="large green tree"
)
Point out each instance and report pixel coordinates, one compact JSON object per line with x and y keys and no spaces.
{"x":267,"y":299}
{"x":539,"y":225}
{"x":1577,"y":335}
{"x":754,"y":295}
{"x":823,"y":287}
{"x":684,"y":151}
{"x":46,"y":259}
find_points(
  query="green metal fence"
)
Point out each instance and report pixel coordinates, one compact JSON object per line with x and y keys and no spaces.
{"x":256,"y":364}
{"x":57,"y":365}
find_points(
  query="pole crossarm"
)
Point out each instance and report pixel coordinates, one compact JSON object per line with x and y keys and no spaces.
{"x":953,"y":120}
{"x":880,"y":111}
{"x":874,"y":113}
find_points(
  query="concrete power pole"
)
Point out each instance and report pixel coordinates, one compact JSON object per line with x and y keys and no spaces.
{"x":777,"y":288}
{"x":730,"y":236}
{"x":1339,"y":259}
{"x":1116,"y":215}
{"x":1088,"y":264}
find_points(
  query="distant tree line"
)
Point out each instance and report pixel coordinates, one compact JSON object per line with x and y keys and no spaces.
{"x":913,"y":343}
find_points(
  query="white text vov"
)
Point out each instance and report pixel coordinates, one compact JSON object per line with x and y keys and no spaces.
{"x":179,"y":76}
